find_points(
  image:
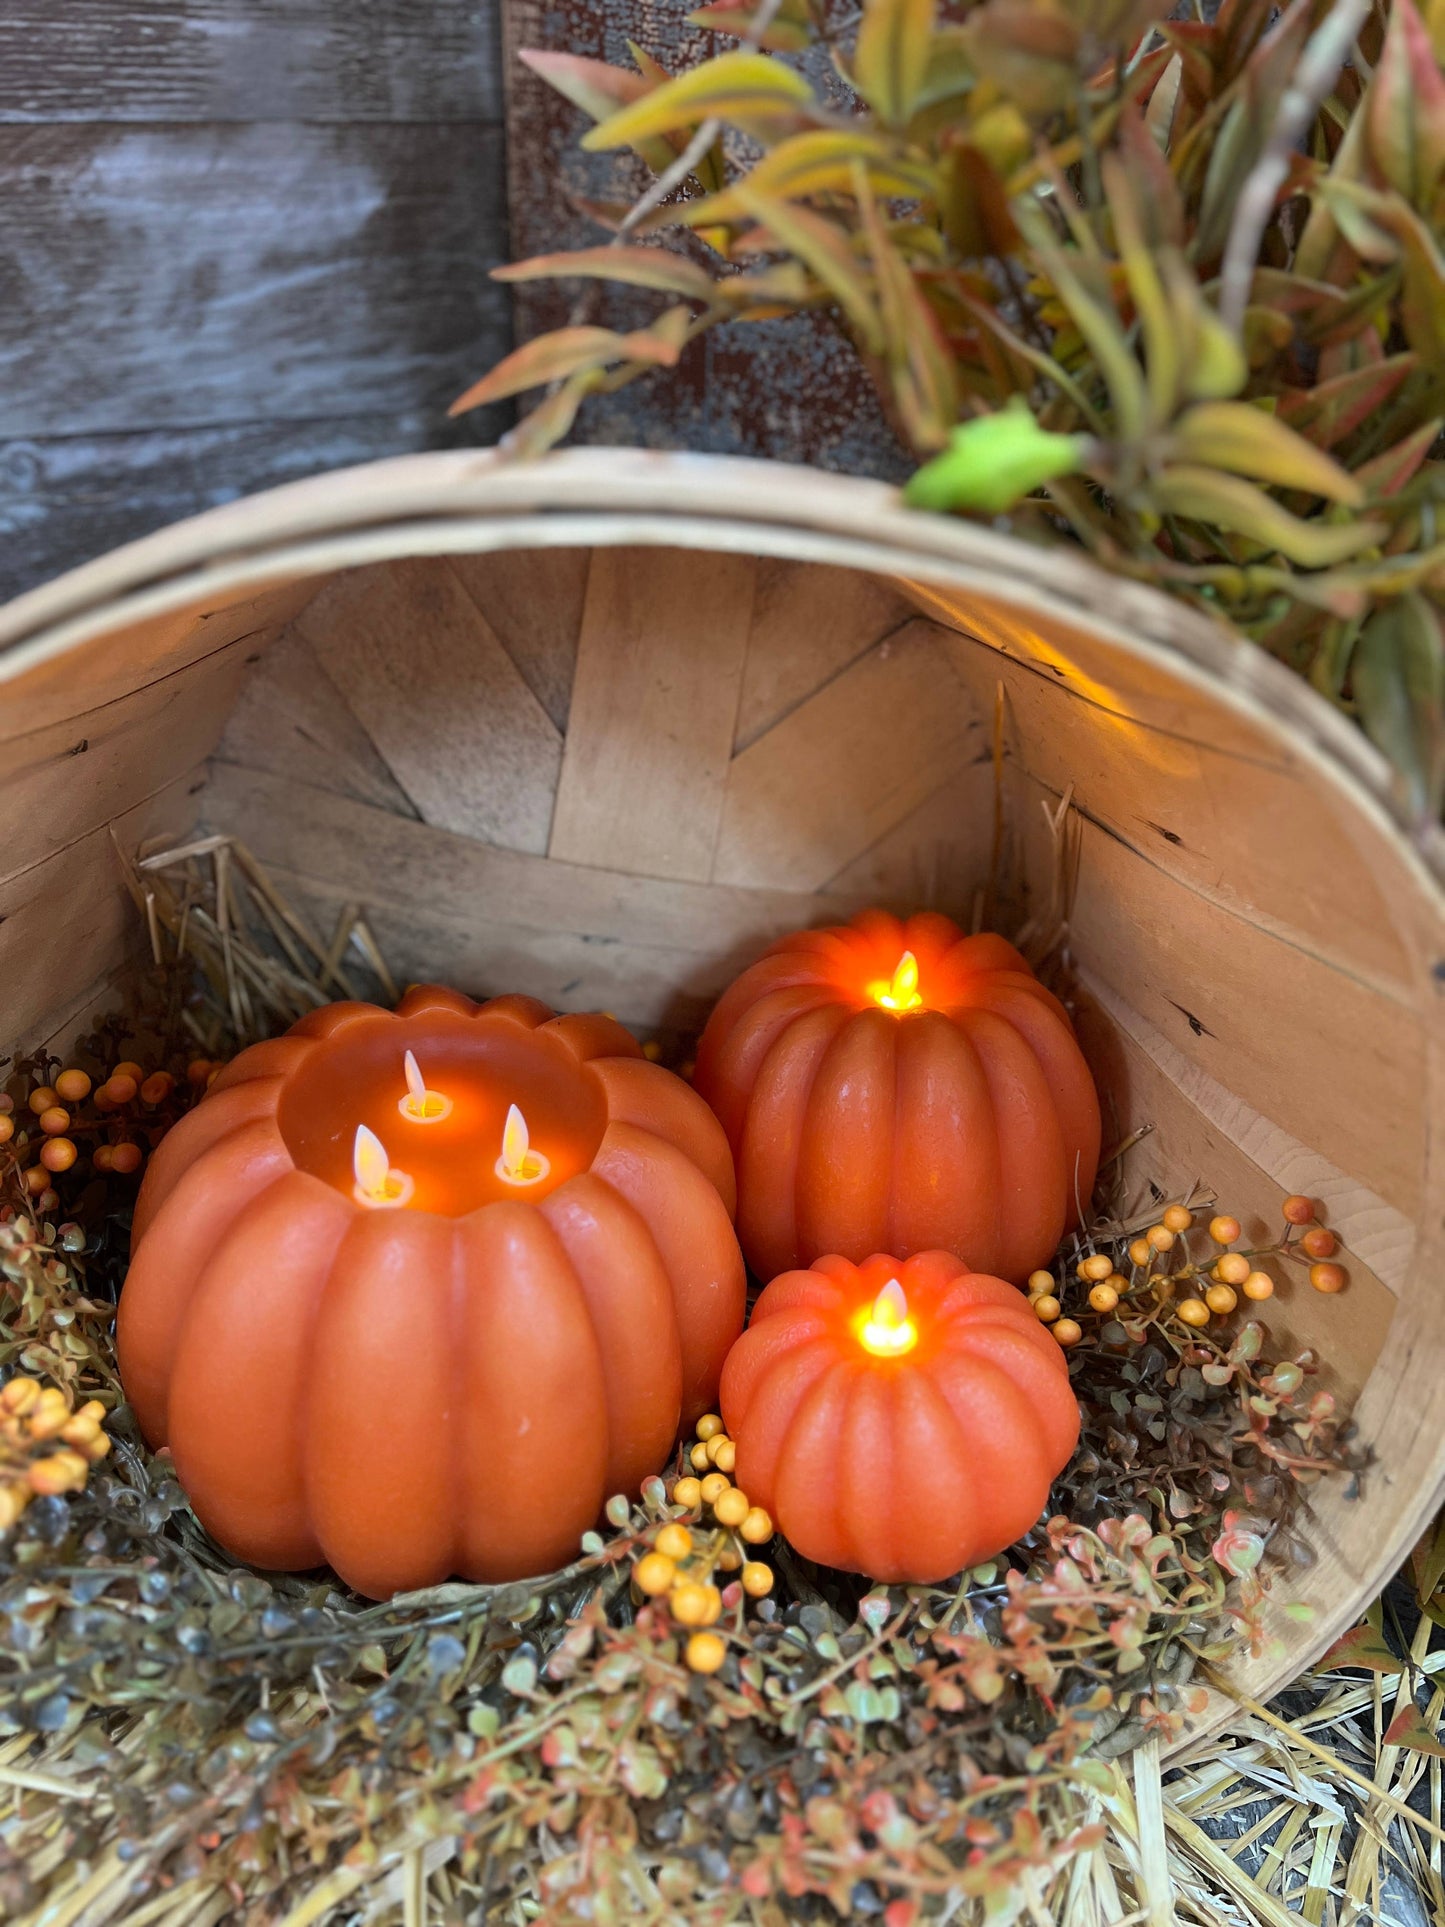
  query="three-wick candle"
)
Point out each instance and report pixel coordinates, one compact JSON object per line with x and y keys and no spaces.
{"x":413,"y":1292}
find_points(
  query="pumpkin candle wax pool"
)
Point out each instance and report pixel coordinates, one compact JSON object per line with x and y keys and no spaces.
{"x":900,"y":1418}
{"x":892,"y":1085}
{"x":412,"y":1293}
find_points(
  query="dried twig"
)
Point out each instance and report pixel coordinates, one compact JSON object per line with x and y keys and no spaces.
{"x":211,"y":902}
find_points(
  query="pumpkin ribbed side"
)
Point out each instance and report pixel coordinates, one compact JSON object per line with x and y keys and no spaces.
{"x":405,"y":1395}
{"x":905,"y":1469}
{"x":969,"y":1125}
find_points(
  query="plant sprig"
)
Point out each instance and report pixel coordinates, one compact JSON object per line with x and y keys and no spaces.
{"x":1170,"y":289}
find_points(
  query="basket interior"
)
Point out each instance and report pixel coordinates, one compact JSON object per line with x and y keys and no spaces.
{"x":609,"y":777}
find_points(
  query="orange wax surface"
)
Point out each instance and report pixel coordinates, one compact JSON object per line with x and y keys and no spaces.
{"x":892,"y":1085}
{"x":904,"y":1418}
{"x":453,"y":1380}
{"x":355,"y":1077}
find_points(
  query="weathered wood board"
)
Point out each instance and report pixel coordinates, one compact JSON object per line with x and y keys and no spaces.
{"x":1192,"y":803}
{"x":247,"y":240}
{"x":414,"y":691}
{"x":533,"y":601}
{"x":243,"y":241}
{"x":659,"y":666}
{"x":116,"y":664}
{"x":95,"y":765}
{"x":227,"y":273}
{"x":290,"y":719}
{"x":448,"y":710}
{"x":66,"y":923}
{"x":214,"y":60}
{"x":64,"y":498}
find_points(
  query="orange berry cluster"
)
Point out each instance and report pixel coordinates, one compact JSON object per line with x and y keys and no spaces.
{"x":45,"y":1447}
{"x":1161,"y":1264}
{"x":49,"y":1120}
{"x":1314,"y":1243}
{"x":681,"y":1565}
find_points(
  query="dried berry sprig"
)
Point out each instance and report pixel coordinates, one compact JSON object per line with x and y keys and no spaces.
{"x":681,"y":1561}
{"x":47,"y":1444}
{"x":1161,"y":1275}
{"x":1166,"y":289}
{"x":60,"y":1128}
{"x":50,"y":1327}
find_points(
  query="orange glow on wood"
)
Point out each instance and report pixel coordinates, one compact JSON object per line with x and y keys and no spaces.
{"x":889,"y":1330}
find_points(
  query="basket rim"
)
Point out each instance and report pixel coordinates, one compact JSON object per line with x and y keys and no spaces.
{"x":478,"y":500}
{"x":465,"y":499}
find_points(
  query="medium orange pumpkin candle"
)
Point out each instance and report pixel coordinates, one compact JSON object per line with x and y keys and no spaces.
{"x":903,"y":1418}
{"x":412,"y":1293}
{"x":898,"y":1086}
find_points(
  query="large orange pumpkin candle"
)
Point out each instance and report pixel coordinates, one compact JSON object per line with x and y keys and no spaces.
{"x":897,"y":1086}
{"x":901,"y":1418}
{"x":414,"y":1292}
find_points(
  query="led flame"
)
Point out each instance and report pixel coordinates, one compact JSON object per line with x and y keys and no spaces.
{"x":421,"y":1105}
{"x":901,"y":992}
{"x":377,"y":1184}
{"x":519,"y":1164}
{"x":889,"y":1330}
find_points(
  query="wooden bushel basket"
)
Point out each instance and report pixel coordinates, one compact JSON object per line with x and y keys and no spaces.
{"x":600,"y":727}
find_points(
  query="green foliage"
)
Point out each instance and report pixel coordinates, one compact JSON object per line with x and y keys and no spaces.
{"x":1202,"y":256}
{"x":991,"y":461}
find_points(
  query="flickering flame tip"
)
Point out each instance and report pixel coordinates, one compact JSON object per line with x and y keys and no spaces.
{"x":888,"y":1329}
{"x":377,"y":1184}
{"x":519,"y":1163}
{"x":420,"y":1105}
{"x":900,"y":992}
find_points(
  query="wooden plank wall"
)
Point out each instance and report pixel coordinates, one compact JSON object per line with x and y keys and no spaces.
{"x":100,"y":750}
{"x":678,"y":785}
{"x":240,"y":241}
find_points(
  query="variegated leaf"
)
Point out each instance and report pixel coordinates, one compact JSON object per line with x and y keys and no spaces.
{"x":1398,"y":677}
{"x":749,"y":90}
{"x":1331,"y":410}
{"x":1246,"y":440}
{"x":890,"y":61}
{"x":1228,"y":502}
{"x":825,"y":250}
{"x":1405,"y":110}
{"x":637,"y":267}
{"x":1386,"y":474}
{"x":819,"y":162}
{"x":788,"y":31}
{"x":567,"y":351}
{"x":598,"y":89}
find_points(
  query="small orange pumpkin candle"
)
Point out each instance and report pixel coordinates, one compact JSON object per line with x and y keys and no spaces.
{"x":897,"y":1086}
{"x":412,"y":1293}
{"x":900,"y":1418}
